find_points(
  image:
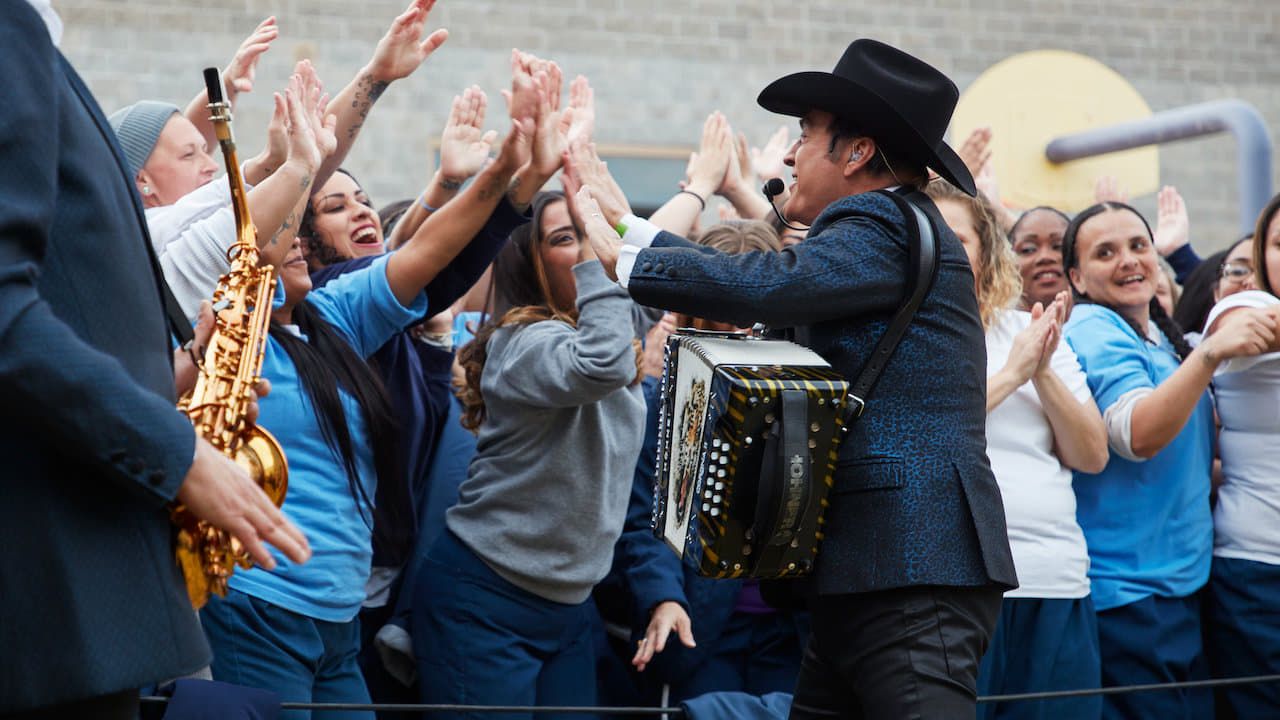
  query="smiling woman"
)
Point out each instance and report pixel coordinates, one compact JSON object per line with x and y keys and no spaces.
{"x":340,"y":223}
{"x":1037,"y":243}
{"x":1146,"y":514}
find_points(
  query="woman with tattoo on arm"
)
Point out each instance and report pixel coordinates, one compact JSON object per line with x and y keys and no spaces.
{"x":293,"y":629}
{"x":341,"y":234}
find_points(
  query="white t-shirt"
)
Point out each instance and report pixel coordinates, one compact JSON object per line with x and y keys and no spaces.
{"x":1246,"y":521}
{"x":1049,"y":551}
{"x":191,"y":238}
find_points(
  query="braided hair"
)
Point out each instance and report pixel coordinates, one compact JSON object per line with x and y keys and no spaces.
{"x":1158,"y":315}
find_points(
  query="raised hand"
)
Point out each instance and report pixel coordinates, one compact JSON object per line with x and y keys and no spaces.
{"x":239,"y":74}
{"x":767,"y":161}
{"x":603,"y":238}
{"x":464,"y":145}
{"x":1107,"y":189}
{"x":708,"y":168}
{"x":402,"y":50}
{"x":975,"y":151}
{"x":311,"y":136}
{"x":582,"y":101}
{"x":584,"y":168}
{"x":1173,"y":226}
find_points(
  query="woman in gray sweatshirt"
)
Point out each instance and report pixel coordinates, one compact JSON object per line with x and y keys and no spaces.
{"x":501,"y":611}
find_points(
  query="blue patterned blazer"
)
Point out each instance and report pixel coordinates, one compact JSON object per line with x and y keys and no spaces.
{"x":91,"y":601}
{"x":914,"y":501}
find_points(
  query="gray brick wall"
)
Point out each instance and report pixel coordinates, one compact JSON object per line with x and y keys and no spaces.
{"x":659,"y":66}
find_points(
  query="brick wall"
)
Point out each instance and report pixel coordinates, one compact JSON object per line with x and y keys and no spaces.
{"x":660,"y":66}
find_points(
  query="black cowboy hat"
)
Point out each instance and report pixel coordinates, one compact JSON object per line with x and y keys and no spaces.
{"x":901,"y":101}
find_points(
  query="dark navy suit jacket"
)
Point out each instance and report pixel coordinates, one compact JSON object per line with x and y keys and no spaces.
{"x":914,"y":501}
{"x":91,"y":601}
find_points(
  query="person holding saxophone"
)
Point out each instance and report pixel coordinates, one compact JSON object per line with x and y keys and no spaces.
{"x":293,"y":629}
{"x":91,"y":602}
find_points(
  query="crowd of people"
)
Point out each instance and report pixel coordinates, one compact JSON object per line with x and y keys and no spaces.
{"x":465,"y":384}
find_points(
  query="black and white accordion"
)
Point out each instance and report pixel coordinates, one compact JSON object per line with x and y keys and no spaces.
{"x":749,"y":432}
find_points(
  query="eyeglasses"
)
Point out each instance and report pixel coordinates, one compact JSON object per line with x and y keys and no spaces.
{"x":1236,"y":272}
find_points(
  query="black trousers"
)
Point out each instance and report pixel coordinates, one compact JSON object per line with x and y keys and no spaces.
{"x":117,"y":706}
{"x":896,"y":654}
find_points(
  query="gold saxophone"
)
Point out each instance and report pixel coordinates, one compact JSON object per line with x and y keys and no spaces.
{"x":228,"y":374}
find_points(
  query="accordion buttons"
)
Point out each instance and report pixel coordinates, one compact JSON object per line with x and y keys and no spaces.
{"x":719,"y":486}
{"x":724,"y":460}
{"x":715,"y":512}
{"x":715,"y":455}
{"x":707,"y":494}
{"x":721,"y":473}
{"x":715,"y":443}
{"x":715,"y":499}
{"x":705,"y":507}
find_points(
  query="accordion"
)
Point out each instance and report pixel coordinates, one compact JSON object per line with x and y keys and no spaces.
{"x":749,"y":432}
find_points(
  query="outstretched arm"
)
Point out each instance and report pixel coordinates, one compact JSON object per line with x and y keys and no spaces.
{"x":443,"y":235}
{"x":401,"y":51}
{"x":236,"y":78}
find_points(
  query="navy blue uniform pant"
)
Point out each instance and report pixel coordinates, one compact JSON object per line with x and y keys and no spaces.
{"x":1154,"y":640}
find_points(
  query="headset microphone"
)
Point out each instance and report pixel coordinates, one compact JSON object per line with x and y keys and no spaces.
{"x":772,"y":189}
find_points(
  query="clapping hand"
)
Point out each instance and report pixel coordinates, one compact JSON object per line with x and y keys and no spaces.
{"x":402,"y":50}
{"x":1173,"y":227}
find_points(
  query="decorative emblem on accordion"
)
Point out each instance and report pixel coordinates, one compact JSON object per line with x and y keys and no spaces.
{"x":749,"y":433}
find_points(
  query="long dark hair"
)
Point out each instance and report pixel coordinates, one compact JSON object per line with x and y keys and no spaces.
{"x":1263,"y":280}
{"x":1070,"y":260}
{"x":520,"y":294}
{"x":320,"y":255}
{"x":1200,"y":287}
{"x":326,"y":363}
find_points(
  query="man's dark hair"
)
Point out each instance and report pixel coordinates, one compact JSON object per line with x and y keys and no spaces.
{"x":885,"y":161}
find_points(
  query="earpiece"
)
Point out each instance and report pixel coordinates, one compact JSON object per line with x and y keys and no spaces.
{"x":855,"y":156}
{"x":146,"y":189}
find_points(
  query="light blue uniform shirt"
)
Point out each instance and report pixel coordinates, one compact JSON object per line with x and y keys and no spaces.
{"x":1147,"y":524}
{"x":330,"y":586}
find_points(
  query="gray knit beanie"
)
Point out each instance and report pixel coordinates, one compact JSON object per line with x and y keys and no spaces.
{"x":138,"y":128}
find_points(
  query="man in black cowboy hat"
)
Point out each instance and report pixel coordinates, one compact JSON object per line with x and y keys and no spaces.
{"x":908,"y":582}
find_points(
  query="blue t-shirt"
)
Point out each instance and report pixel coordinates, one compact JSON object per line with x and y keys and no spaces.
{"x":331,"y":585}
{"x":1148,"y":523}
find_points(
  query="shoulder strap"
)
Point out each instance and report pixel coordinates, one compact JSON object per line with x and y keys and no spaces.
{"x":922,"y":253}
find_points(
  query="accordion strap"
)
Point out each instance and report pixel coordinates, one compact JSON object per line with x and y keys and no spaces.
{"x":922,"y":253}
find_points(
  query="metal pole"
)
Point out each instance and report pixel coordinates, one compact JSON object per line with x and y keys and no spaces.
{"x":1253,"y":146}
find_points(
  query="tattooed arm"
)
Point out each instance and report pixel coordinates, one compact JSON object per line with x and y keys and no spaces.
{"x":447,"y":231}
{"x":398,"y":54}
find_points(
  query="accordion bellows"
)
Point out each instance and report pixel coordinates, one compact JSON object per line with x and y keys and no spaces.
{"x":749,"y":434}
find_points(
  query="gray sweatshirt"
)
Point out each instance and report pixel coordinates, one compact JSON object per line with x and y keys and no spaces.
{"x":546,"y":495}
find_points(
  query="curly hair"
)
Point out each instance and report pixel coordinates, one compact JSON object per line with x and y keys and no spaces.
{"x":998,"y":282}
{"x":520,"y":295}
